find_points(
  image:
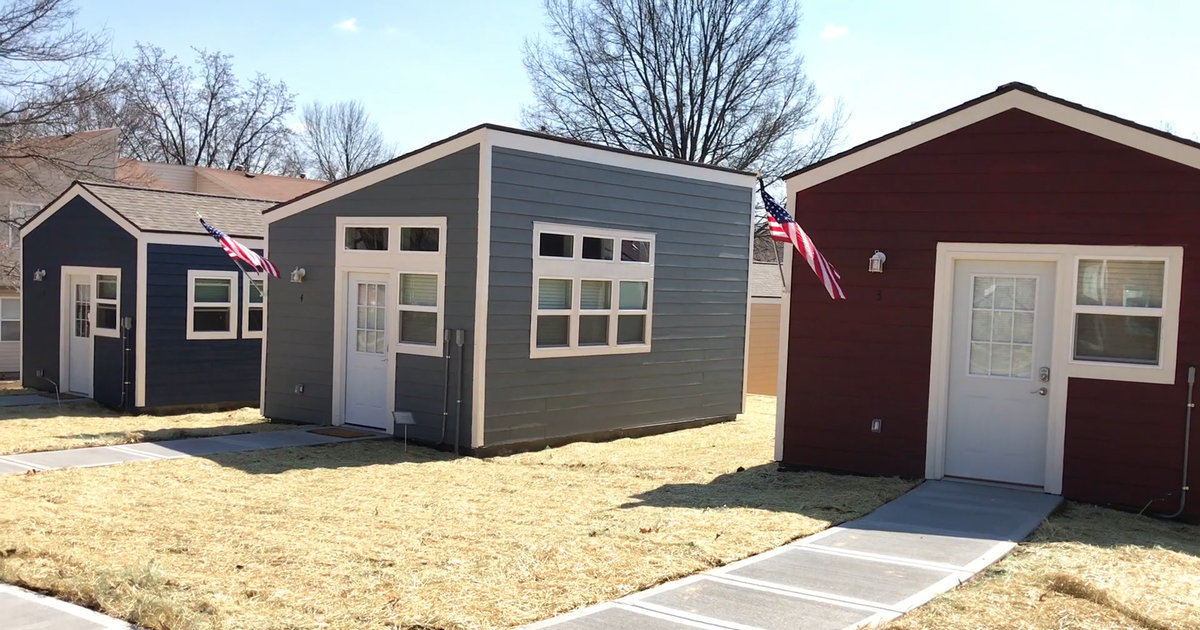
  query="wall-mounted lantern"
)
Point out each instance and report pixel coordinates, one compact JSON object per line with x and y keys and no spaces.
{"x":298,"y":274}
{"x":875,"y":263}
{"x":39,"y":275}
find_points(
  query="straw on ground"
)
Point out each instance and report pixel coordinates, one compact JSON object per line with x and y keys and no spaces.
{"x":363,"y":535}
{"x":81,"y":424}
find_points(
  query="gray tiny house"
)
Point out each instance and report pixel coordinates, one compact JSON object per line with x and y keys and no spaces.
{"x":502,"y":289}
{"x":127,"y":300}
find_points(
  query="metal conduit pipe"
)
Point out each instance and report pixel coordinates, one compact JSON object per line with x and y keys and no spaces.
{"x":445,"y":383}
{"x":1187,"y":436}
{"x":460,"y":337}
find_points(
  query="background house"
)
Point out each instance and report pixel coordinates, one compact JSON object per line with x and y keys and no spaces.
{"x":129,"y":301}
{"x":1031,"y":324}
{"x":766,"y":297}
{"x":594,"y":292}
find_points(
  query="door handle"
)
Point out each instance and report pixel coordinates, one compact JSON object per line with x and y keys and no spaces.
{"x":1041,"y":391}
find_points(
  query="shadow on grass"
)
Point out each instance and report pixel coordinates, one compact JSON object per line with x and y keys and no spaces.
{"x":161,"y":435}
{"x":75,"y":408}
{"x":1105,"y":527}
{"x":344,"y":454}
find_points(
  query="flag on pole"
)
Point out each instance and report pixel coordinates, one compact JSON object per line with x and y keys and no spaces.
{"x":784,"y":228}
{"x":237,"y":251}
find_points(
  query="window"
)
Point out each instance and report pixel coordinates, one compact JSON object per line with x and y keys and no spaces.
{"x":419,"y":239}
{"x":253,"y":305}
{"x":419,"y":308}
{"x":10,"y":319}
{"x":18,"y":212}
{"x":367,"y":238}
{"x":1119,"y":311}
{"x":586,"y":299}
{"x":107,"y":305}
{"x":211,"y":298}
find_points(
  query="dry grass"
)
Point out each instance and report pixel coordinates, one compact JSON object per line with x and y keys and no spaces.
{"x":79,"y":424}
{"x":1085,"y":567}
{"x":362,"y":535}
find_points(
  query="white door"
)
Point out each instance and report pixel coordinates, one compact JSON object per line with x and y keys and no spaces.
{"x":366,"y":351}
{"x":79,"y":336}
{"x":998,"y":411}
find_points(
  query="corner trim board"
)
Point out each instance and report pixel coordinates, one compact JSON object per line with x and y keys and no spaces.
{"x":483,"y":263}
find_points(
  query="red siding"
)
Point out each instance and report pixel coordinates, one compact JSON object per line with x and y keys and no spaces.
{"x":1013,"y":178}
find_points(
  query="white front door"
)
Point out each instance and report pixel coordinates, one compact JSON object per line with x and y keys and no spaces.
{"x":366,"y":351}
{"x":79,"y":321}
{"x":998,"y":407}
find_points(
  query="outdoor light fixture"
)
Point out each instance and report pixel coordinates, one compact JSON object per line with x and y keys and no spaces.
{"x":875,"y":263}
{"x":298,"y":274}
{"x":39,"y":275}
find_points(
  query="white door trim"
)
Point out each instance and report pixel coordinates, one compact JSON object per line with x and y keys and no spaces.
{"x":340,"y":286}
{"x":66,"y":303}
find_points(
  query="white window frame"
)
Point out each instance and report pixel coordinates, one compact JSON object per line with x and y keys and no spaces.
{"x":578,"y":269}
{"x":14,"y":228}
{"x":18,"y":319}
{"x":1163,"y":371}
{"x":203,"y":274}
{"x":97,"y":331}
{"x":260,"y":280}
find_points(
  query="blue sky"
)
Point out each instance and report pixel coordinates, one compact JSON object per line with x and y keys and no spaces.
{"x":426,"y":70}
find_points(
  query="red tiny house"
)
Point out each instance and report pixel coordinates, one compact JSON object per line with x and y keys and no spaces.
{"x":972,"y":205}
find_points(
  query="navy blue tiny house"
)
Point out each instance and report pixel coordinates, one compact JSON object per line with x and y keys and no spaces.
{"x":502,"y":289}
{"x":127,"y":300}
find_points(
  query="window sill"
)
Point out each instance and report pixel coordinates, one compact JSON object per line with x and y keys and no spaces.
{"x":587,"y":351}
{"x":203,"y":336}
{"x":100,"y":332}
{"x":419,"y":350}
{"x":1128,"y":373}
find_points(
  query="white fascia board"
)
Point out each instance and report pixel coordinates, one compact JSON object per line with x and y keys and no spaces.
{"x":1045,"y":108}
{"x":597,"y":155}
{"x":204,"y":240}
{"x":77,"y":190}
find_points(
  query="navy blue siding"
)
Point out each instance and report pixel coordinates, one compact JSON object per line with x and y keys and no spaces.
{"x":180,"y":371}
{"x":76,"y":235}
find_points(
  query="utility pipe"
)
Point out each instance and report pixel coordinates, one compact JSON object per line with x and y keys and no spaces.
{"x":445,"y":383}
{"x":1187,"y":436}
{"x":460,"y":337}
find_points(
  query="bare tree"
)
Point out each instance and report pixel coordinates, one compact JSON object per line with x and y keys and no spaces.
{"x":203,"y":115}
{"x":710,"y":81}
{"x":341,"y":139}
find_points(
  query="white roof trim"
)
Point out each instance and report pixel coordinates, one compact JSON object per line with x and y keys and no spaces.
{"x":201,"y":240}
{"x":1014,"y":99}
{"x":78,"y":190}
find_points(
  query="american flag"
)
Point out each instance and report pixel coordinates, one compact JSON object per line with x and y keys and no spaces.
{"x":784,"y":228}
{"x":237,"y":251}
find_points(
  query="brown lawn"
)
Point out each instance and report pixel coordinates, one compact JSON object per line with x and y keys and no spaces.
{"x":363,"y":535}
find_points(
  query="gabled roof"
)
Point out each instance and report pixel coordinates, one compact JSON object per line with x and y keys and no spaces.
{"x":234,"y":183}
{"x":501,"y":136}
{"x":147,"y":210}
{"x":1008,"y":96}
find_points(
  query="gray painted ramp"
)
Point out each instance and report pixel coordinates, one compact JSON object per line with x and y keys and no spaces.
{"x":23,"y":610}
{"x":25,"y":400}
{"x":859,"y":573}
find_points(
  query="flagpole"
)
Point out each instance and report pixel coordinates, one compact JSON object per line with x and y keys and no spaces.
{"x":256,"y":284}
{"x":774,"y":248}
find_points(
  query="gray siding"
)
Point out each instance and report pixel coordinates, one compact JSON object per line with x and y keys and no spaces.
{"x":77,"y":235}
{"x":300,"y":316}
{"x":700,"y":290}
{"x":180,"y":371}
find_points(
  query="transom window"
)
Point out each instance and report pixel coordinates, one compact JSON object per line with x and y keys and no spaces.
{"x":366,"y":238}
{"x":210,"y":309}
{"x":592,"y":291}
{"x":1119,"y":310}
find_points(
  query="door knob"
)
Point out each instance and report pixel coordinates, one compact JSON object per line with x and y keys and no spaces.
{"x":1041,"y":391}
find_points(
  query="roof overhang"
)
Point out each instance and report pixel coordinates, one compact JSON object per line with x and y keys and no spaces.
{"x":1007,"y":97}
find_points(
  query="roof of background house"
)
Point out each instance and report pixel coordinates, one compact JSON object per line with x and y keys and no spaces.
{"x":175,"y":211}
{"x":23,"y":151}
{"x":766,"y":280}
{"x":235,"y":183}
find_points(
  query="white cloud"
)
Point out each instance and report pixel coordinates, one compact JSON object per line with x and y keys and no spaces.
{"x":349,"y":25}
{"x":834,"y":32}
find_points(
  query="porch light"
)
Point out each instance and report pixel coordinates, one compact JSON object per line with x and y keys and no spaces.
{"x":298,"y":275}
{"x":39,"y":275}
{"x":875,"y":263}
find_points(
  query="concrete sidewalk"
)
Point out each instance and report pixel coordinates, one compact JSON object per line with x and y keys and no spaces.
{"x":862,"y":572}
{"x":25,"y":610}
{"x":171,"y":449}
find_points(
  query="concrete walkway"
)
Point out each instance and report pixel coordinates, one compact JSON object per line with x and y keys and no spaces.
{"x":862,"y":572}
{"x":25,"y":610}
{"x":25,"y":400}
{"x":169,"y":449}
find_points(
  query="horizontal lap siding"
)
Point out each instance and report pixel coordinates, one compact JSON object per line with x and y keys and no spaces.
{"x":1013,"y":178}
{"x":182,"y":371}
{"x":700,"y":289}
{"x":300,"y":327}
{"x":76,"y":235}
{"x":763,"y":370}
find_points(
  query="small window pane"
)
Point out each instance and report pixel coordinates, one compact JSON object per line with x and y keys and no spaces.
{"x":106,"y":316}
{"x":980,"y":358}
{"x":595,"y":294}
{"x":984,"y":292}
{"x":981,"y":325}
{"x":1004,"y":293}
{"x":424,"y":239}
{"x":595,"y":248}
{"x":254,"y":291}
{"x":1134,"y":283}
{"x":10,"y":331}
{"x":1022,"y":327}
{"x":557,"y":245}
{"x":631,"y":329}
{"x":1022,"y":361}
{"x":1001,"y":363}
{"x":593,"y":330}
{"x":1002,"y":325}
{"x":418,"y":289}
{"x":633,"y":295}
{"x":418,"y":327}
{"x":635,"y":251}
{"x":552,"y":330}
{"x":367,"y":238}
{"x":554,"y":294}
{"x":10,"y":309}
{"x":1026,"y":294}
{"x":1117,"y":338}
{"x":212,"y":290}
{"x":254,"y":320}
{"x":206,"y":319}
{"x":106,"y":287}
